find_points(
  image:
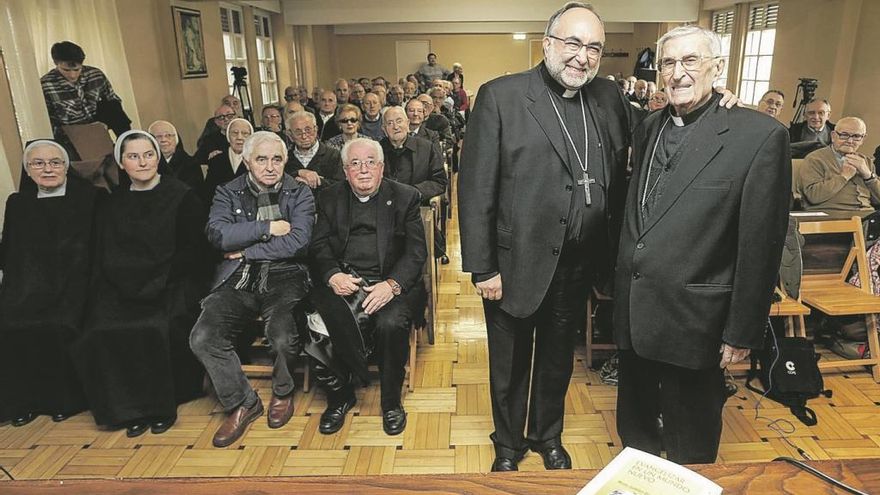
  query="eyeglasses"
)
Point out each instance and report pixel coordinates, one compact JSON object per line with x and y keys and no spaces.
{"x":302,"y":132}
{"x":146,"y":155}
{"x":55,"y":163}
{"x":574,"y":45}
{"x":225,"y":116}
{"x":359,"y":164}
{"x":264,"y":160}
{"x":348,"y":121}
{"x":845,"y":136}
{"x":773,"y":103}
{"x":688,"y":62}
{"x":399,"y":122}
{"x":166,"y":135}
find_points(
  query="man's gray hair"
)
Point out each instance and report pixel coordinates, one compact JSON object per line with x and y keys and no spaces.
{"x":365,"y":141}
{"x":259,"y":138}
{"x":711,"y":38}
{"x":302,"y":114}
{"x":397,"y":107}
{"x":554,"y":19}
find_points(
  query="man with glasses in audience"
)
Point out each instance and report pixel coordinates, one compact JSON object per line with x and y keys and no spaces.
{"x":213,"y":140}
{"x":713,"y":183}
{"x":771,"y":103}
{"x":262,"y":223}
{"x":816,"y":126}
{"x":310,"y":161}
{"x":838,"y":177}
{"x":368,"y":251}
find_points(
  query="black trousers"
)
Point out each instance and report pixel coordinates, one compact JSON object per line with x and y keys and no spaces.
{"x":390,"y":327}
{"x":551,"y":331}
{"x":690,"y":402}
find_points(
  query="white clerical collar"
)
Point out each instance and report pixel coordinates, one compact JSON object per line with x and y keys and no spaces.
{"x":149,"y":187}
{"x":54,"y":193}
{"x":570,"y":93}
{"x":677,"y":121}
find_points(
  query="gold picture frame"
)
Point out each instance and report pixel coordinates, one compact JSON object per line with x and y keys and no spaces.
{"x":190,"y":42}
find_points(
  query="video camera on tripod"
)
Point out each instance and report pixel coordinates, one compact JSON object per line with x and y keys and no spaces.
{"x":806,"y":88}
{"x":240,"y":90}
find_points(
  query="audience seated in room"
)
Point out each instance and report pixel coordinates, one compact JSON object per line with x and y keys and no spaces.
{"x":149,"y":274}
{"x":369,"y":248}
{"x":262,"y":223}
{"x":45,"y":260}
{"x":838,"y":177}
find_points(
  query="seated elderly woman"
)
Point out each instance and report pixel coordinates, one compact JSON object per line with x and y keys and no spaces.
{"x":44,"y":256}
{"x":228,"y":165}
{"x":262,"y":221}
{"x":174,"y":161}
{"x":368,"y":251}
{"x":149,"y":274}
{"x":348,"y":118}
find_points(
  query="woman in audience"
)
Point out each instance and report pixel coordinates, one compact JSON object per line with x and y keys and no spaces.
{"x":149,"y":274}
{"x":348,"y":118}
{"x":174,"y":161}
{"x":227,"y":166}
{"x":44,"y":257}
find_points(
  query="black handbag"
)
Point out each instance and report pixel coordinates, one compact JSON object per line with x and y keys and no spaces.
{"x":789,"y":374}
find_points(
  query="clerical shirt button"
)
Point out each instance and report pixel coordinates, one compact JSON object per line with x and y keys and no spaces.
{"x":555,"y":251}
{"x":238,"y":211}
{"x":637,"y":275}
{"x":563,"y":221}
{"x":640,"y":245}
{"x":568,"y":187}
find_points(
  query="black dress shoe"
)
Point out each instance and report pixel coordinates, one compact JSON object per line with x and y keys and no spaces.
{"x":333,"y":417}
{"x":504,"y":464}
{"x":136,"y":429}
{"x":24,"y":419}
{"x":394,"y":421}
{"x":59,"y":417}
{"x":162,"y":425}
{"x":555,"y":457}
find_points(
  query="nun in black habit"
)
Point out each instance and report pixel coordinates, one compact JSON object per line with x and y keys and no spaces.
{"x":133,"y":357}
{"x":45,"y":256}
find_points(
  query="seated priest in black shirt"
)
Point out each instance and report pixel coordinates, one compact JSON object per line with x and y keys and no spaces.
{"x":410,"y":159}
{"x":368,"y":251}
{"x":44,"y":257}
{"x":311,"y":161}
{"x":262,"y":222}
{"x":148,"y":276}
{"x":228,"y":164}
{"x":213,"y":139}
{"x":174,"y":160}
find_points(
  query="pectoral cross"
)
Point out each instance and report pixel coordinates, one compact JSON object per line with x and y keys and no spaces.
{"x":586,"y":181}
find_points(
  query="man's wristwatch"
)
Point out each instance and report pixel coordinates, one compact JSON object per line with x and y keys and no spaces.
{"x":395,"y":287}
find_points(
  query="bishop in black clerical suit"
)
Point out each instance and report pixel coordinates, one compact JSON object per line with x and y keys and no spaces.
{"x":542,"y":173}
{"x":149,"y":275}
{"x":45,"y":258}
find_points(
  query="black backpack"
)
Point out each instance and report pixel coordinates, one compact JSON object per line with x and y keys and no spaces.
{"x":794,"y":379}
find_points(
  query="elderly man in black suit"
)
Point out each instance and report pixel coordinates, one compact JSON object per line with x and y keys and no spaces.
{"x":368,"y":250}
{"x":814,"y":132}
{"x":410,"y":159}
{"x":310,"y":161}
{"x":700,"y":247}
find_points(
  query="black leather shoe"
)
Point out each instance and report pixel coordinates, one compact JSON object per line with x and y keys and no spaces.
{"x":136,"y":430}
{"x":24,"y":419}
{"x":555,"y":457}
{"x":502,"y":464}
{"x":394,"y":421}
{"x":162,"y":425}
{"x":333,"y":418}
{"x":59,"y":417}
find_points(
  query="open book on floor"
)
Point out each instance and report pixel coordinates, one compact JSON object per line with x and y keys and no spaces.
{"x":634,"y":472}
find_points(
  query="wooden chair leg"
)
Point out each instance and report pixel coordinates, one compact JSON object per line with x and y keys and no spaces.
{"x":873,"y":345}
{"x":307,"y":376}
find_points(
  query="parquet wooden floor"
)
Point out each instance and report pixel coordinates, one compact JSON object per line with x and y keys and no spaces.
{"x":449,"y":422}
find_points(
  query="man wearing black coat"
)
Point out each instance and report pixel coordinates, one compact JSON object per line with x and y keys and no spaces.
{"x":368,"y":251}
{"x":311,"y":161}
{"x":700,"y":247}
{"x":411,"y":159}
{"x":542,"y":171}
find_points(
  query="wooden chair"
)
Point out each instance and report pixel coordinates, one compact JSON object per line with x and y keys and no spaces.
{"x":831,"y":294}
{"x":429,"y":277}
{"x":592,"y":300}
{"x":264,"y":370}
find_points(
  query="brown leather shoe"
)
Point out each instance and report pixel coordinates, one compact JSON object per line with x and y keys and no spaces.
{"x":236,"y":423}
{"x":280,"y":410}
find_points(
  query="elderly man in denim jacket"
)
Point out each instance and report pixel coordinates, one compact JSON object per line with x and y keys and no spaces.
{"x":262,"y":222}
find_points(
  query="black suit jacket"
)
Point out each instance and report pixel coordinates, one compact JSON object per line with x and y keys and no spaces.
{"x":515,"y":187}
{"x":400,"y":235}
{"x":429,"y":134}
{"x":700,"y":271}
{"x":219,"y":173}
{"x":326,"y":162}
{"x":795,"y":132}
{"x":326,"y":130}
{"x":424,"y":169}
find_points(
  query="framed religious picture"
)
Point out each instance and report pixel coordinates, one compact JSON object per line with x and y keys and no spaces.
{"x":190,"y":42}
